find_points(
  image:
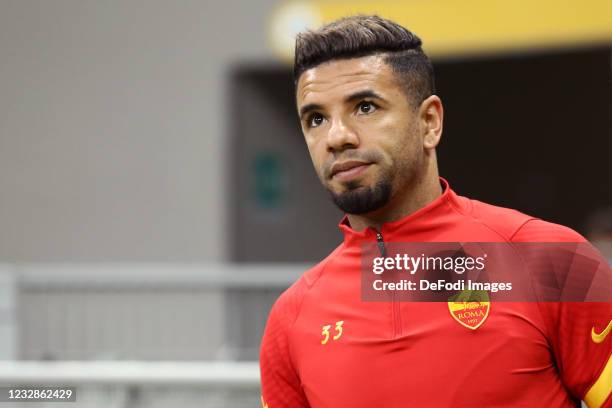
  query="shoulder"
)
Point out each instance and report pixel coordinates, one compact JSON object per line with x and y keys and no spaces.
{"x":287,"y":307}
{"x":515,"y":226}
{"x":505,"y":222}
{"x":537,"y":230}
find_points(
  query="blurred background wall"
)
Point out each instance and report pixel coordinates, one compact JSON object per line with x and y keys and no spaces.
{"x":112,"y":126}
{"x":113,"y":137}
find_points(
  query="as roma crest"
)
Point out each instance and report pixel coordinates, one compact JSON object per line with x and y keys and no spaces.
{"x":470,"y":314}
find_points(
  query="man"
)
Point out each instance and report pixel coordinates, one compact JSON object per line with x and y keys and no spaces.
{"x":371,"y":121}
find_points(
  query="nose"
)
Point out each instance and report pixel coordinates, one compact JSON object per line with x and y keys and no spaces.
{"x":341,"y":136}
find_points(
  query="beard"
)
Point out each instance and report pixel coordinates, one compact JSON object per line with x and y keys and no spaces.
{"x":357,"y":198}
{"x":362,"y":200}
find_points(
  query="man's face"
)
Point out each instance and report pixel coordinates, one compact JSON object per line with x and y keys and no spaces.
{"x":362,"y":133}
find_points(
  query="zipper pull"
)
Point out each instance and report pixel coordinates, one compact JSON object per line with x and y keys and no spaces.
{"x":381,"y":244}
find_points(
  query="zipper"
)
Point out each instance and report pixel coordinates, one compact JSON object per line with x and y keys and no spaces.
{"x":381,"y":244}
{"x":395,"y":306}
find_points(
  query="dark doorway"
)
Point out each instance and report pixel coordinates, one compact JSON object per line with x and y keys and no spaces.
{"x":531,"y":132}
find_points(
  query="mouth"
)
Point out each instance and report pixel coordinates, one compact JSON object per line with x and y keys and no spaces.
{"x":348,"y":170}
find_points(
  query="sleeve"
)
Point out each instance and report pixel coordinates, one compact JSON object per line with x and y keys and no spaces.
{"x":579,"y":332}
{"x":583,"y":349}
{"x":280,"y":383}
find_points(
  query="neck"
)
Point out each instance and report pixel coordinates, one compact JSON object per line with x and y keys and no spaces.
{"x":408,"y":201}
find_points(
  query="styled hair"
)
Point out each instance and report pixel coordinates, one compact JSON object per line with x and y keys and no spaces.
{"x":361,"y":35}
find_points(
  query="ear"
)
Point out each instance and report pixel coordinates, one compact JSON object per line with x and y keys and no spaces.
{"x":431,"y":115}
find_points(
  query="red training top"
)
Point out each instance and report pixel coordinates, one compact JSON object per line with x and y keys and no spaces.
{"x":325,"y":347}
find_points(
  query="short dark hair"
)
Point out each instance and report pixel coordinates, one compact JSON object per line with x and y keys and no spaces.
{"x":361,"y":35}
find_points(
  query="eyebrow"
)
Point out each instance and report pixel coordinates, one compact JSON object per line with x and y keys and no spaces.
{"x":366,"y":93}
{"x":308,"y":108}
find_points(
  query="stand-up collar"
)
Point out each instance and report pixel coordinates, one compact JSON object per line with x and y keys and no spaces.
{"x":426,"y":218}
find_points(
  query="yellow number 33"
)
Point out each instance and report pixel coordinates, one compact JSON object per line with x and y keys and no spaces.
{"x":338,"y":330}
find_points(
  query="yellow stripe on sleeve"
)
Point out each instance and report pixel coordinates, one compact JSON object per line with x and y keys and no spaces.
{"x":600,"y":391}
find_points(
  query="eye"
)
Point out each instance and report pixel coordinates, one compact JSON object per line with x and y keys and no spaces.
{"x":314,"y":120}
{"x":367,"y":107}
